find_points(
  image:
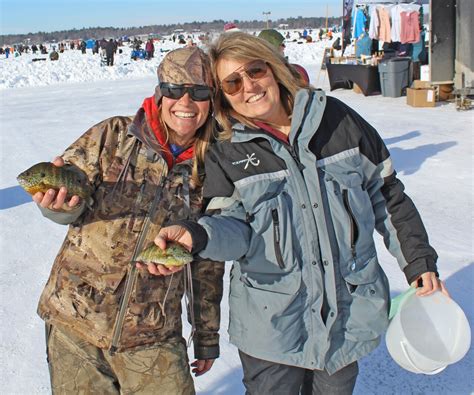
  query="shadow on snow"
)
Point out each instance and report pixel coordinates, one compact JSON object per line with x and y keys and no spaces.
{"x":13,"y":196}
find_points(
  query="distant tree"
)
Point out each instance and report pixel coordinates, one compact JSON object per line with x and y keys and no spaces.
{"x":215,"y":25}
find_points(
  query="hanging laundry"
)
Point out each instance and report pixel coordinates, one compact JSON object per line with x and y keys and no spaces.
{"x":396,"y":22}
{"x":410,"y":27}
{"x":384,"y":29}
{"x":374,"y":23}
{"x":360,"y":21}
{"x":419,"y":51}
{"x":363,"y":45}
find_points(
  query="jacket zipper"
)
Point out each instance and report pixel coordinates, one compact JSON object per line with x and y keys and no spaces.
{"x":133,"y":271}
{"x":276,"y":238}
{"x":295,"y":156}
{"x":354,"y":231}
{"x":137,"y":204}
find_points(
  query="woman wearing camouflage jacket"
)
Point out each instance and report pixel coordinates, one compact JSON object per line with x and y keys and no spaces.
{"x":112,"y":327}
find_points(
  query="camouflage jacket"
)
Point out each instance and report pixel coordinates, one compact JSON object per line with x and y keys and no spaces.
{"x":87,"y":281}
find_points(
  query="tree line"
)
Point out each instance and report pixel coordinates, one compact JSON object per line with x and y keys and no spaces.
{"x":114,"y":32}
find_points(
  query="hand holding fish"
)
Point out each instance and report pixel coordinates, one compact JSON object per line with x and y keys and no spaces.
{"x":158,"y":269}
{"x":53,"y":199}
{"x":48,"y":184}
{"x":175,"y":233}
{"x":164,"y":261}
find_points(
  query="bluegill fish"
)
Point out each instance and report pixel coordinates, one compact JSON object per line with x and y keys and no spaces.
{"x":174,"y":255}
{"x":45,"y":175}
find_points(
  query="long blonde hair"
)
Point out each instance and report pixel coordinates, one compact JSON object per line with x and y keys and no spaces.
{"x":244,"y":47}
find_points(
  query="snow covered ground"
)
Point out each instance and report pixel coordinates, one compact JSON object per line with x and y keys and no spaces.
{"x":47,"y":105}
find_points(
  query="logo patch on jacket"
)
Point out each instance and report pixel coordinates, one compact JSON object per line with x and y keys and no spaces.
{"x":251,"y":159}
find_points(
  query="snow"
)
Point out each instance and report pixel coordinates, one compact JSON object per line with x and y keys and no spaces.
{"x":46,"y":105}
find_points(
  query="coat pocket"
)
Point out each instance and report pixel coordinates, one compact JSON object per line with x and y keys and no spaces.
{"x":288,"y":284}
{"x":368,"y":304}
{"x":272,"y":242}
{"x":155,"y":298}
{"x":267,"y":311}
{"x":351,"y":212}
{"x":85,"y":297}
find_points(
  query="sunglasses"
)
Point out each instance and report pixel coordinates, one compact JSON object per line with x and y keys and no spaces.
{"x":234,"y":82}
{"x":176,"y":92}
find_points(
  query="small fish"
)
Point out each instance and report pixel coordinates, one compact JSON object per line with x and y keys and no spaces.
{"x":45,"y":175}
{"x":174,"y":255}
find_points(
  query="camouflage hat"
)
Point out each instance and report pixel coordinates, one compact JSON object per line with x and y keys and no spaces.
{"x":189,"y":65}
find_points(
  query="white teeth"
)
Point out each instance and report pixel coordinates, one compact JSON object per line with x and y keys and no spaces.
{"x":256,"y":97}
{"x":181,"y":114}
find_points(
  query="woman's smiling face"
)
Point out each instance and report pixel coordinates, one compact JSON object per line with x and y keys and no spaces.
{"x":184,"y":117}
{"x":258,"y":99}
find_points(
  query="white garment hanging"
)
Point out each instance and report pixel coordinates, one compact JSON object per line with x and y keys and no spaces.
{"x":374,"y":23}
{"x":396,"y":22}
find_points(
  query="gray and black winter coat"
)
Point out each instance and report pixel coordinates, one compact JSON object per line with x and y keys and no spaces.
{"x":298,"y":220}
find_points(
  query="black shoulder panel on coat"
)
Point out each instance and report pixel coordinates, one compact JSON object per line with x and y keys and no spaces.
{"x":228,"y":162}
{"x":341,"y":129}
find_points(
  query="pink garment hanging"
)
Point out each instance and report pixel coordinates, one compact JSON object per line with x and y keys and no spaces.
{"x":410,"y":27}
{"x":384,"y":25}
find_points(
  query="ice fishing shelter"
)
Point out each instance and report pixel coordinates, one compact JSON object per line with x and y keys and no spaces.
{"x":90,"y":43}
{"x":450,"y":35}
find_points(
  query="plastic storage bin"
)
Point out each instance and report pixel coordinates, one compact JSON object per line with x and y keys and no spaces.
{"x":394,"y":76}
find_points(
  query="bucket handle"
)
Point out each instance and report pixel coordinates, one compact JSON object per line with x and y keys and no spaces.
{"x":405,"y":352}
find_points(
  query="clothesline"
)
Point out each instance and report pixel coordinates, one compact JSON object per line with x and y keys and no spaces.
{"x":387,"y":23}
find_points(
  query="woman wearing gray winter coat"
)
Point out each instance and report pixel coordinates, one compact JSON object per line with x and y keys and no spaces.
{"x":296,"y":186}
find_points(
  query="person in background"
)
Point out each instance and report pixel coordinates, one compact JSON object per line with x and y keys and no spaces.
{"x":276,"y":39}
{"x":96,"y":47}
{"x":297,"y":184}
{"x":230,"y":27}
{"x":150,"y":49}
{"x":321,"y":34}
{"x":110,"y":49}
{"x":112,"y":328}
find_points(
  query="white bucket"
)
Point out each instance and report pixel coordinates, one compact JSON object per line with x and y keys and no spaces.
{"x":428,"y":333}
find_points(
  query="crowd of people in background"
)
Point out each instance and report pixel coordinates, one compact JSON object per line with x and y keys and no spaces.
{"x":142,"y":49}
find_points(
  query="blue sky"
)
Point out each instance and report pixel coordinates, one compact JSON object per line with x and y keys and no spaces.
{"x":25,"y":16}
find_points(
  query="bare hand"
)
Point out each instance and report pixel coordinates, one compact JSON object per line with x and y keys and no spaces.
{"x":159,"y":270}
{"x":429,"y":284}
{"x":202,"y":366}
{"x":174,"y":233}
{"x":55,"y":200}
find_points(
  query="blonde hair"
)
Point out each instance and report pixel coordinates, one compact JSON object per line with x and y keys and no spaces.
{"x":244,"y":47}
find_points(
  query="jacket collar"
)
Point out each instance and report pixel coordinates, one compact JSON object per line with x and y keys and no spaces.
{"x":307,"y":114}
{"x":146,"y":128}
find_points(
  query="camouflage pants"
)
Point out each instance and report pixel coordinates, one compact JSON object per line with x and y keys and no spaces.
{"x":78,"y":367}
